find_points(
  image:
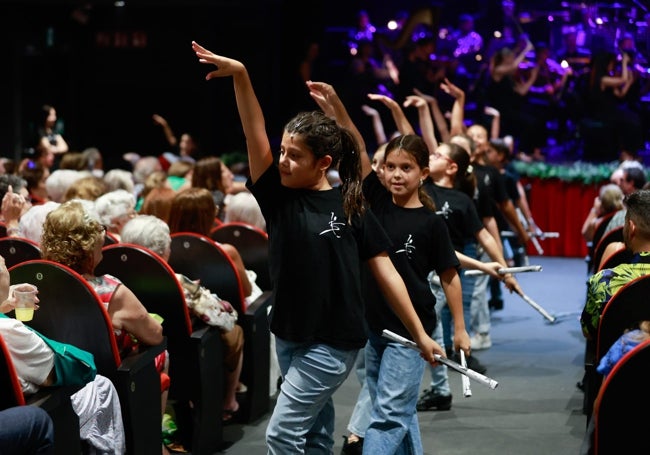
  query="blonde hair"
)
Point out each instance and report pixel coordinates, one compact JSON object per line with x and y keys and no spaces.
{"x":611,"y":198}
{"x":70,"y":235}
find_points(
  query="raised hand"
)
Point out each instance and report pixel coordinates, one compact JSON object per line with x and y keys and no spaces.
{"x":225,"y":66}
{"x":452,"y":89}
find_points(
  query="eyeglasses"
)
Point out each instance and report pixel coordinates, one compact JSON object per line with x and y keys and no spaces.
{"x":438,"y":155}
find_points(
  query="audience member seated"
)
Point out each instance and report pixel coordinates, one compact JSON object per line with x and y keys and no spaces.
{"x":93,"y":161}
{"x":73,"y":237}
{"x":14,"y":206}
{"x":193,"y":210}
{"x":96,"y":404}
{"x":74,"y":161}
{"x":89,"y":188}
{"x":604,"y":284}
{"x":243,"y":207}
{"x":36,"y":176}
{"x":26,"y":429}
{"x":629,"y":340}
{"x":157,"y":179}
{"x":119,"y":179}
{"x":153,"y":233}
{"x":179,"y":175}
{"x":31,"y":223}
{"x":60,"y":180}
{"x":159,"y":203}
{"x":212,"y":174}
{"x":143,"y":167}
{"x":609,"y":200}
{"x":631,"y":178}
{"x":115,"y":209}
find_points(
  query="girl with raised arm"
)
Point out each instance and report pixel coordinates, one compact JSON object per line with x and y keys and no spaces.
{"x":318,"y":238}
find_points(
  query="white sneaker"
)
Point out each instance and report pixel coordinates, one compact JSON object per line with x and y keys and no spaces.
{"x":480,"y":341}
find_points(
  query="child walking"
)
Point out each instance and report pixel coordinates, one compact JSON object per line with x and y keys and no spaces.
{"x":319,"y":237}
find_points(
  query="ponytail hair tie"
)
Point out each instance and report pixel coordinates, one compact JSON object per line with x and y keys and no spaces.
{"x":470,"y":169}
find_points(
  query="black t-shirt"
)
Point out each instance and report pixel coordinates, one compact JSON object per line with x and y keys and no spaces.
{"x":315,"y":261}
{"x":510,"y":183}
{"x":458,"y":211}
{"x":421,"y":244}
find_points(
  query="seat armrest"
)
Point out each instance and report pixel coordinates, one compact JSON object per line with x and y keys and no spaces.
{"x":136,"y":361}
{"x":263,"y":301}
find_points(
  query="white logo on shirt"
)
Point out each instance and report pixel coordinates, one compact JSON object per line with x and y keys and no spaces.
{"x":445,"y":211}
{"x":408,"y":247}
{"x":335,"y":226}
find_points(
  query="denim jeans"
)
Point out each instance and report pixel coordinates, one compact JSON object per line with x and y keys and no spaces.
{"x":360,"y":418}
{"x":393,"y":373}
{"x":439,"y":373}
{"x":303,"y":417}
{"x":26,"y":429}
{"x":480,"y":310}
{"x":467,"y":285}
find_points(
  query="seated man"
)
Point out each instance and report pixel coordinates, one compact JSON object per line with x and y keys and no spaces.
{"x":604,"y":284}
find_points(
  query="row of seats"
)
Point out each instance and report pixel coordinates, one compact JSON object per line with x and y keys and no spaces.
{"x":195,"y":350}
{"x":608,"y":400}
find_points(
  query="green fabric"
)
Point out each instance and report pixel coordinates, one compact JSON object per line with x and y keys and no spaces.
{"x":587,"y":173}
{"x":72,"y":366}
{"x":176,"y":182}
{"x":603,"y":285}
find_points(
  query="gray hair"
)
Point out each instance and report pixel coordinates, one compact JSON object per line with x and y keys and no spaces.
{"x":119,"y":179}
{"x":31,"y":222}
{"x":243,"y":207}
{"x":60,"y":180}
{"x":148,"y":231}
{"x":113,"y":205}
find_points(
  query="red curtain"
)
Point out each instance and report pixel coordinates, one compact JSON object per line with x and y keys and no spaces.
{"x":562,"y":207}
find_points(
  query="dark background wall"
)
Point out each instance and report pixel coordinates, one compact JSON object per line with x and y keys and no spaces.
{"x":108,"y":69}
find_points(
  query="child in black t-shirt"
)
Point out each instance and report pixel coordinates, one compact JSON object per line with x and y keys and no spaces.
{"x":318,"y":238}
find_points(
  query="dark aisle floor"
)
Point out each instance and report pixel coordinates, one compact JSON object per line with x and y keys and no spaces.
{"x":535,"y":410}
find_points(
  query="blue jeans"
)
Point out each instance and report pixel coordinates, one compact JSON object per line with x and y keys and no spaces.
{"x":360,"y":418}
{"x":26,"y":429}
{"x":467,"y":284}
{"x":303,"y":417}
{"x":439,"y":373}
{"x":393,"y":373}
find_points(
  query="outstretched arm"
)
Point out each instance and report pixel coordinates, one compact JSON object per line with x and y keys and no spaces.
{"x":438,"y":117}
{"x":250,"y":112}
{"x":329,"y":101}
{"x":167,"y":130}
{"x":426,"y":122}
{"x":402,"y":123}
{"x":458,"y":109}
{"x":377,"y":125}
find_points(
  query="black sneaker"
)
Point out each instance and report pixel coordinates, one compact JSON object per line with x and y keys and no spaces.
{"x":352,"y":448}
{"x":431,"y":400}
{"x":495,"y":304}
{"x":474,"y":364}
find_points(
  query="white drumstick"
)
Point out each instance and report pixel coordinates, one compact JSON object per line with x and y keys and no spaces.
{"x":541,"y":310}
{"x":491,"y":383}
{"x":541,"y":235}
{"x":503,"y":271}
{"x":467,"y":391}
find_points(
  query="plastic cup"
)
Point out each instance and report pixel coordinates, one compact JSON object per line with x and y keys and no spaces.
{"x":25,"y":301}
